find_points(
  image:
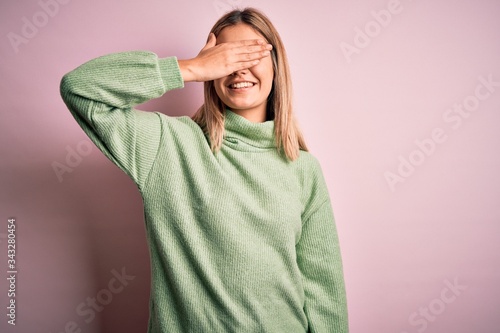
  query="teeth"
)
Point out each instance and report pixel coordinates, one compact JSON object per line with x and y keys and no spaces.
{"x":241,"y":85}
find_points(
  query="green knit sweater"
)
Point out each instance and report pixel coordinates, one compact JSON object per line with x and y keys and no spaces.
{"x":241,"y":240}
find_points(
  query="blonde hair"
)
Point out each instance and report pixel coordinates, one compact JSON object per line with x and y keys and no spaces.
{"x":210,"y":116}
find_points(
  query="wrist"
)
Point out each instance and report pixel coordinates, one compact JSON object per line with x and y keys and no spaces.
{"x":185,"y":67}
{"x":170,"y":73}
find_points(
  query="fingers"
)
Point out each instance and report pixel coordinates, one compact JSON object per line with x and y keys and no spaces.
{"x":252,"y":56}
{"x":210,"y":42}
{"x":253,"y":45}
{"x":248,"y":42}
{"x":254,"y":49}
{"x":245,"y":65}
{"x":218,"y":60}
{"x":251,"y":51}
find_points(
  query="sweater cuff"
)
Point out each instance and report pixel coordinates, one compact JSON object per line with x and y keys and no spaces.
{"x":170,"y":73}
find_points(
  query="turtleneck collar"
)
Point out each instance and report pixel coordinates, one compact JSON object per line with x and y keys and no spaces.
{"x":257,"y":135}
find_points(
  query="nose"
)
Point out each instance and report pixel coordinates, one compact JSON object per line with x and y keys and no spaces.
{"x":240,"y":72}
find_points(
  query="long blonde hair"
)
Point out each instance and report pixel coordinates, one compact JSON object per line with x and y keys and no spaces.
{"x":210,"y":116}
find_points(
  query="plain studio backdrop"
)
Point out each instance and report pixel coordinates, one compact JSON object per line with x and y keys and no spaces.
{"x":399,"y":100}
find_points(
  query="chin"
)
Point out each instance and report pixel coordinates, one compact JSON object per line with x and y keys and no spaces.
{"x":241,"y":105}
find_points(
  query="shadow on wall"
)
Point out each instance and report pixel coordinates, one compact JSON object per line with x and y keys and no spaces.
{"x":82,"y":234}
{"x":83,"y":241}
{"x":107,"y":219}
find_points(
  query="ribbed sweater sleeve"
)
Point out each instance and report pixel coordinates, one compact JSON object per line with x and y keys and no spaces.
{"x":101,"y":95}
{"x":319,"y":260}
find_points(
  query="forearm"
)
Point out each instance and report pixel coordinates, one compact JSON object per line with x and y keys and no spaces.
{"x":186,"y":69}
{"x":320,"y":261}
{"x":122,"y":80}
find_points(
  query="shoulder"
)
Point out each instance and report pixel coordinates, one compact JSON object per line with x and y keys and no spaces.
{"x":181,"y":131}
{"x":181,"y":124}
{"x":311,"y":179}
{"x":307,"y":165}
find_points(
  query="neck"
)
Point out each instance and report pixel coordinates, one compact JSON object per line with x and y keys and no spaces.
{"x":253,"y":115}
{"x":255,"y":135}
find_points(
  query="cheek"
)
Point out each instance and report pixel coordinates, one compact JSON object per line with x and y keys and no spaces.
{"x":218,"y":87}
{"x":265,"y":73}
{"x":217,"y":83}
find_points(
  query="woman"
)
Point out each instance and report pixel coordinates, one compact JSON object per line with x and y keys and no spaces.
{"x":238,"y":218}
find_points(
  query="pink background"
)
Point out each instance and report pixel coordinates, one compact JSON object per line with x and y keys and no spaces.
{"x":362,"y":112}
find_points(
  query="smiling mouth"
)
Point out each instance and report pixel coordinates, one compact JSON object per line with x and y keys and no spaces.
{"x":241,"y":85}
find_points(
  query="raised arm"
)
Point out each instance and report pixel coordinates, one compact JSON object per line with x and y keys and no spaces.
{"x":102,"y":93}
